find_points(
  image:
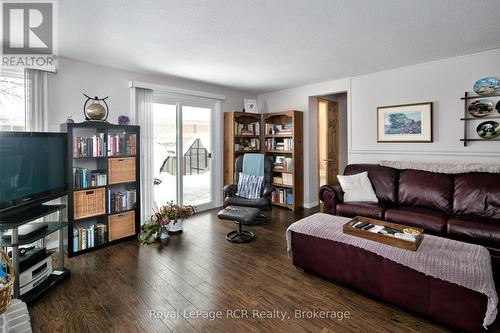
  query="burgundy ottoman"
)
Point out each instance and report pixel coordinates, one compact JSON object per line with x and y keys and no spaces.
{"x":377,"y":276}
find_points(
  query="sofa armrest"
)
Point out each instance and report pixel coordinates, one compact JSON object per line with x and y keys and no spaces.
{"x":230,"y":190}
{"x":331,"y":195}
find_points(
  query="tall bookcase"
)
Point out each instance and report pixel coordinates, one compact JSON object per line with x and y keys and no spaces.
{"x":104,"y":185}
{"x":283,"y":142}
{"x":242,"y":134}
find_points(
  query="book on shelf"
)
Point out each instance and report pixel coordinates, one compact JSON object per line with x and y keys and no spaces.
{"x":89,"y":236}
{"x":283,"y":196}
{"x":85,"y":178}
{"x":287,"y":179}
{"x":247,"y":144}
{"x":121,"y":200}
{"x":122,"y":144}
{"x":278,"y":180}
{"x":273,"y":129}
{"x":247,"y":129}
{"x":285,"y":144}
{"x":92,"y":146}
{"x":282,"y":163}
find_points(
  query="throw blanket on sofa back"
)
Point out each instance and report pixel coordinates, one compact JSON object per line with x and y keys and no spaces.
{"x":253,"y":164}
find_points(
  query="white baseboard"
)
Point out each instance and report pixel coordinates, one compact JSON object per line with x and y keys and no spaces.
{"x":311,"y":204}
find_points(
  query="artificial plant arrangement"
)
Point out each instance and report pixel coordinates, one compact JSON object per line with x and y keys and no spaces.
{"x":158,"y":223}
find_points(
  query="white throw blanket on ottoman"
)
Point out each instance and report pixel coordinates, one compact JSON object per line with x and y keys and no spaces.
{"x":465,"y":264}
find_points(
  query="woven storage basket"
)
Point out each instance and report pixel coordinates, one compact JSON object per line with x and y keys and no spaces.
{"x":121,"y":225}
{"x":6,"y":291}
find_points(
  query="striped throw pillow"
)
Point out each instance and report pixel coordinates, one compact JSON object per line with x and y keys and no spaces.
{"x":249,"y":186}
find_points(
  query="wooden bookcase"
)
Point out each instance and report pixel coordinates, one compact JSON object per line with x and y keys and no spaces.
{"x":104,"y":185}
{"x":242,"y":134}
{"x":283,"y":142}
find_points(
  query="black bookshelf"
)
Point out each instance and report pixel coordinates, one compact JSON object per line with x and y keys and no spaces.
{"x":100,"y":163}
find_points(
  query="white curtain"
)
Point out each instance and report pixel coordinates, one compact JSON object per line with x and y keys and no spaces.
{"x":142,"y":112}
{"x":36,"y":100}
{"x":36,"y":109}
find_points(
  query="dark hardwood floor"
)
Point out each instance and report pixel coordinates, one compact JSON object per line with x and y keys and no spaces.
{"x":133,"y":288}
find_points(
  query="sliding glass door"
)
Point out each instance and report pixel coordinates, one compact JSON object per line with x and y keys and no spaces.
{"x":183,"y":140}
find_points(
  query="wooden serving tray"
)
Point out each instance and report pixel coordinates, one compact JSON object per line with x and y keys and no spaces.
{"x":349,"y":228}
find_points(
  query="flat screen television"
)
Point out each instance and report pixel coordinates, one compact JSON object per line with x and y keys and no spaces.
{"x":33,"y":168}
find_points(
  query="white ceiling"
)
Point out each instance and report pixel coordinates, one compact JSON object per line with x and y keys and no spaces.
{"x":268,"y":45}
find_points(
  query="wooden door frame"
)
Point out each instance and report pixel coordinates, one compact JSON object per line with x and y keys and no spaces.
{"x":337,"y":147}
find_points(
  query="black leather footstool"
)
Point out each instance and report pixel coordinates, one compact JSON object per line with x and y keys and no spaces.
{"x":240,"y":215}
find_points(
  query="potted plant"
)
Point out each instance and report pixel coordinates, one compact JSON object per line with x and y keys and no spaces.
{"x":166,"y":219}
{"x":176,"y":214}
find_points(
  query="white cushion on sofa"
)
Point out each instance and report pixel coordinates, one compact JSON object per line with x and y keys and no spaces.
{"x":357,"y":188}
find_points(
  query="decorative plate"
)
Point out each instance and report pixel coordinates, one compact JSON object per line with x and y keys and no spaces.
{"x":498,"y":106}
{"x":486,"y":86}
{"x":488,"y":129}
{"x":480,"y":108}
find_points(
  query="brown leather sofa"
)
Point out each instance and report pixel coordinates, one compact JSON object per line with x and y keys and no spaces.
{"x":465,"y":206}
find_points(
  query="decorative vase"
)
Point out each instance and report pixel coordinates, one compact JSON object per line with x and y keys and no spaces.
{"x":94,"y":110}
{"x":123,"y":120}
{"x":175,"y":227}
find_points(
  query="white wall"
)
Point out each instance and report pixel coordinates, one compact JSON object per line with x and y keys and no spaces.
{"x":441,"y":82}
{"x":302,"y":99}
{"x":74,"y":78}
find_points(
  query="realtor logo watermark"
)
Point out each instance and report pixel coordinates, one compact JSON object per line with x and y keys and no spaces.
{"x":29,"y":32}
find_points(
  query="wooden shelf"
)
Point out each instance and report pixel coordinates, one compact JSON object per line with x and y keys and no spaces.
{"x":283,"y":205}
{"x":480,"y":118}
{"x":246,"y":151}
{"x":282,"y":171}
{"x":293,"y":156}
{"x":468,"y":97}
{"x":467,"y":118}
{"x":283,"y":185}
{"x":235,"y":122}
{"x":279,"y":151}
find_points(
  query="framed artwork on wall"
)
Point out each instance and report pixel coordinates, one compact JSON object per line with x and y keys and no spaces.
{"x":405,"y":123}
{"x":250,"y":105}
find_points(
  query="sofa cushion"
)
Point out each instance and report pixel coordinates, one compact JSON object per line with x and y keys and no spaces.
{"x":383,"y":179}
{"x":367,"y":209}
{"x":477,"y":194}
{"x":430,"y":220}
{"x":426,"y":189}
{"x":475,"y":229}
{"x":357,"y":188}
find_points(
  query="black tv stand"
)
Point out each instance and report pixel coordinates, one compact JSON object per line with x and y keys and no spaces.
{"x":29,"y":213}
{"x":13,"y":220}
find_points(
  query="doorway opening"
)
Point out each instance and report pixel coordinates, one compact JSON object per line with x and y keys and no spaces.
{"x":332,"y":137}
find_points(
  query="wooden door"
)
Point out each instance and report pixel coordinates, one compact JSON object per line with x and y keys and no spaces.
{"x":328,"y":142}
